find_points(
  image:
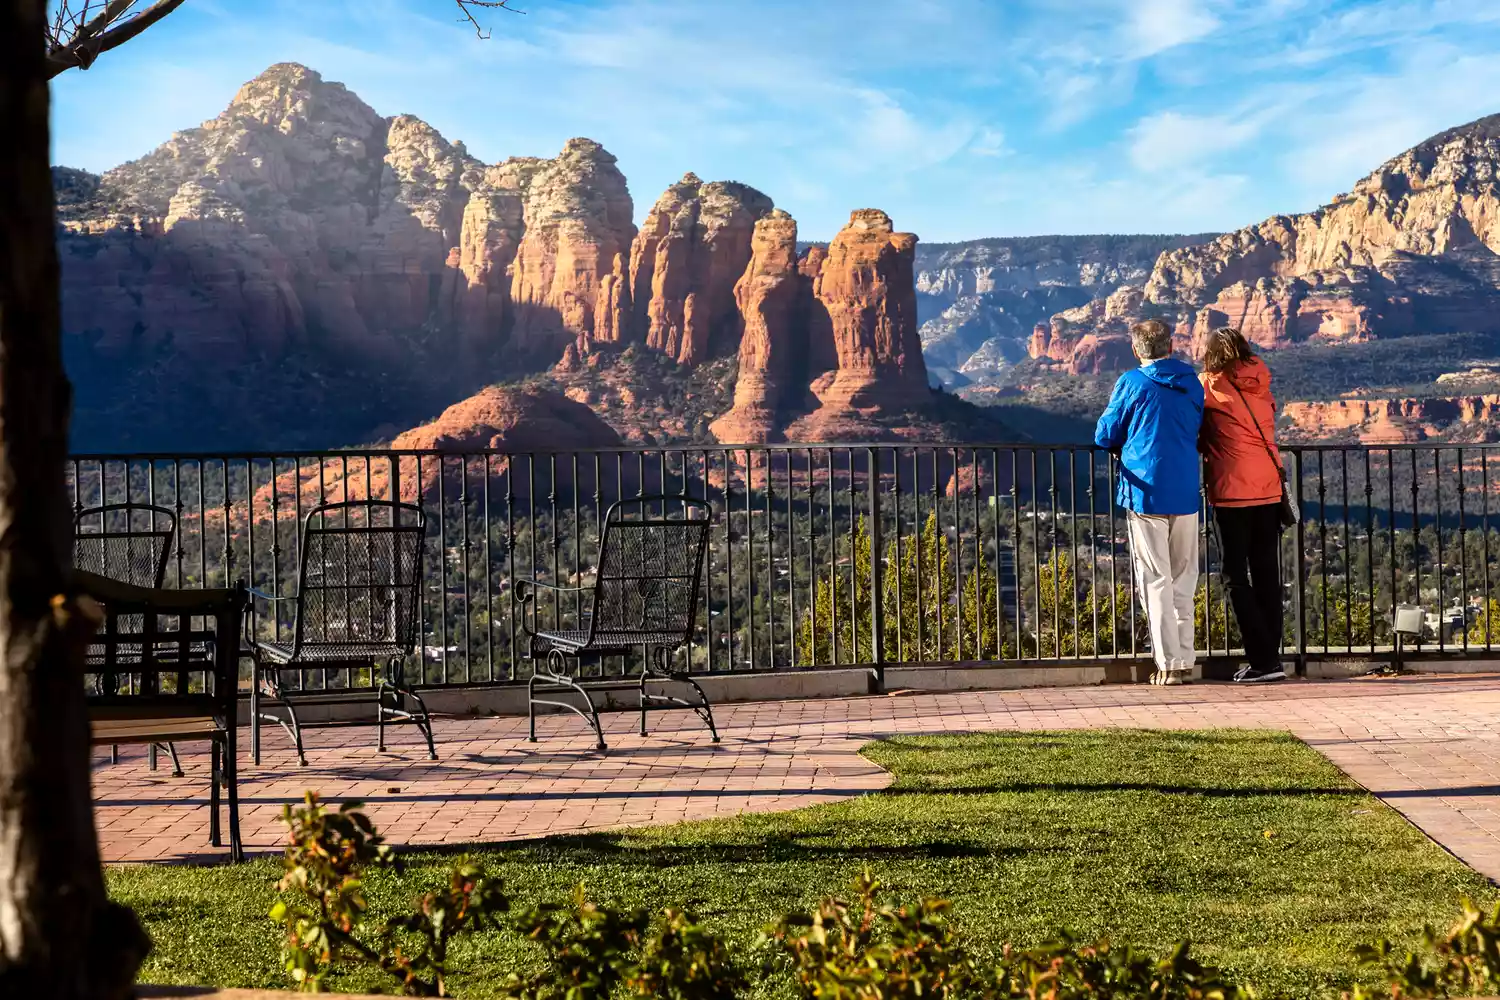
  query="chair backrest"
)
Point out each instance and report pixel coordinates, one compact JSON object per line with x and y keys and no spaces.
{"x":360,"y":582}
{"x":128,"y":542}
{"x":176,"y":648}
{"x":649,"y":570}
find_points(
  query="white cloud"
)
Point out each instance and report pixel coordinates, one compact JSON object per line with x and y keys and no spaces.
{"x":988,"y":141}
{"x":1154,"y":26}
{"x":1169,"y":141}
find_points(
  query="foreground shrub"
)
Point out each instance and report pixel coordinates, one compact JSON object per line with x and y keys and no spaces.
{"x":1464,"y":962}
{"x":873,"y":951}
{"x":322,"y":906}
{"x":860,"y":949}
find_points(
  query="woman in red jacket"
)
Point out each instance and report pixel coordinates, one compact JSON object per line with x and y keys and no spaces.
{"x":1243,"y":467}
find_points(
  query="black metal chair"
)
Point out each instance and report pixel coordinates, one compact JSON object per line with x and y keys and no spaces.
{"x":644,"y":597}
{"x":164,"y":665}
{"x":359,"y":590}
{"x":131,"y":543}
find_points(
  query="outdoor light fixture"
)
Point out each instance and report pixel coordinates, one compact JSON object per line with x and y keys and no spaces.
{"x":1406,"y":619}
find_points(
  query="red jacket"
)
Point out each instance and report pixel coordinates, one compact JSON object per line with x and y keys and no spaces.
{"x":1240,"y":471}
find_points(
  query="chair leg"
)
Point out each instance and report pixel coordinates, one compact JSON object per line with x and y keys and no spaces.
{"x":424,"y":723}
{"x":557,"y":678}
{"x":230,"y":771}
{"x":177,"y":771}
{"x":644,"y":696}
{"x":213,"y":795}
{"x":151,"y":756}
{"x":399,"y":711}
{"x":380,"y":716}
{"x":255,"y":709}
{"x":531,"y":707}
{"x":703,"y":709}
{"x":291,"y":714}
{"x":114,"y":754}
{"x":290,"y":724}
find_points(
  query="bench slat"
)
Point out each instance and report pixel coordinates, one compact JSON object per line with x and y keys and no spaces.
{"x":181,"y":729}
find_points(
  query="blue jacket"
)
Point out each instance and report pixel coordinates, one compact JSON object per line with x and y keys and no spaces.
{"x":1152,"y":423}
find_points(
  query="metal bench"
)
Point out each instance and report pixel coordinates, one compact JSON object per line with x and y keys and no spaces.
{"x":129,"y":542}
{"x":645,"y":597}
{"x":359,"y":590}
{"x":163,"y":668}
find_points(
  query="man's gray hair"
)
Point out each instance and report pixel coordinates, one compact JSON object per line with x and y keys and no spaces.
{"x":1152,"y":340}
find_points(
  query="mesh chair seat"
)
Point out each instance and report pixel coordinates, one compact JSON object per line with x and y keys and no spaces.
{"x":352,"y":652}
{"x":577,"y":640}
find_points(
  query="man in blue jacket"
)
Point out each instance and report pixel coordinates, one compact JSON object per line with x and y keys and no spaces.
{"x":1151,"y":424}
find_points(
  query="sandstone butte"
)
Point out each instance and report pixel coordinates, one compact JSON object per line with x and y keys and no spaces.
{"x":865,"y":357}
{"x":774,"y":298}
{"x":1413,"y":248}
{"x":690,"y":254}
{"x":1395,"y":420}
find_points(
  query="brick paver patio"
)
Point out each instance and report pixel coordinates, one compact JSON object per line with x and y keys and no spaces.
{"x":1428,"y":745}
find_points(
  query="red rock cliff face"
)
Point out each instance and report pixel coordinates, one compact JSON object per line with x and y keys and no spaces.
{"x":577,"y":217}
{"x":691,"y":251}
{"x":867,"y":287}
{"x":298,"y":214}
{"x":1411,"y":249}
{"x":1394,"y":421}
{"x":773,"y":298}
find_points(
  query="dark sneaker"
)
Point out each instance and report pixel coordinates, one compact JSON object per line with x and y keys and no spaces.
{"x":1254,"y":675}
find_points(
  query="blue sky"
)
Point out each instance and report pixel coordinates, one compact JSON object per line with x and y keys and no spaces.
{"x":961,"y":118}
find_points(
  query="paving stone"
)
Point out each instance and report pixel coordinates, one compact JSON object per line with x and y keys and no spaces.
{"x":1427,"y":745}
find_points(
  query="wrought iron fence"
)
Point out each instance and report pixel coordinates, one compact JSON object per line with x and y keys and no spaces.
{"x":847,"y":555}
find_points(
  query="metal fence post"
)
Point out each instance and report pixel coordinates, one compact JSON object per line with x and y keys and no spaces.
{"x":877,"y":579}
{"x":1299,"y":573}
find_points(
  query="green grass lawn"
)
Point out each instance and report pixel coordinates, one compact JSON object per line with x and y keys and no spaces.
{"x":1249,"y":844}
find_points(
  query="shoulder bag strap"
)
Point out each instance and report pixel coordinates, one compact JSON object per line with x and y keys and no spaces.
{"x":1256,"y":424}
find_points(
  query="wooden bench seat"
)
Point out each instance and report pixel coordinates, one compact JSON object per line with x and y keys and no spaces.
{"x":185,"y":729}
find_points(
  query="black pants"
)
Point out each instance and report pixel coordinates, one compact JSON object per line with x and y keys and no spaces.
{"x":1249,"y":538}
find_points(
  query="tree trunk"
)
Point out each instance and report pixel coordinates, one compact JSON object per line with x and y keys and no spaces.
{"x":60,"y":937}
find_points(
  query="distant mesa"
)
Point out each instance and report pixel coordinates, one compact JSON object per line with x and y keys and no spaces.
{"x":1395,"y":420}
{"x":348,"y":262}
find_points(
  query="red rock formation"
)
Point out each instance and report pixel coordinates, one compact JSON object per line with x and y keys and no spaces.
{"x":772,"y":298}
{"x":867,"y":285}
{"x":691,"y":250}
{"x":502,"y":419}
{"x":1412,"y":249}
{"x":1274,"y":313}
{"x":478,"y":302}
{"x":577,"y":220}
{"x":1394,"y":421}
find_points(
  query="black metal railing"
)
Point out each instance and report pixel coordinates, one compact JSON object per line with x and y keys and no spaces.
{"x":848,"y":555}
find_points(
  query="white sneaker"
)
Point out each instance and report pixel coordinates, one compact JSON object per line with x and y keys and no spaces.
{"x":1170,"y":678}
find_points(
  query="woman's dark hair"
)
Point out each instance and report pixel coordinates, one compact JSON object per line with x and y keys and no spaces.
{"x":1225,"y":346}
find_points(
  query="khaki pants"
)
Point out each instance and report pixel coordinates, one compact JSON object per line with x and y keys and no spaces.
{"x":1164,"y":549}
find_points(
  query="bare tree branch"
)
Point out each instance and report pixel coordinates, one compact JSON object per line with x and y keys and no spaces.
{"x":80,"y":32}
{"x":468,"y":15}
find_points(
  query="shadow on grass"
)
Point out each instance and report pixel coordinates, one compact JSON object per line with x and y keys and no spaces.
{"x":1206,"y":791}
{"x":776,"y":848}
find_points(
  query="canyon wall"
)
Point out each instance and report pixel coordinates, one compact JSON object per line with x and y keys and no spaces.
{"x":1413,"y":248}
